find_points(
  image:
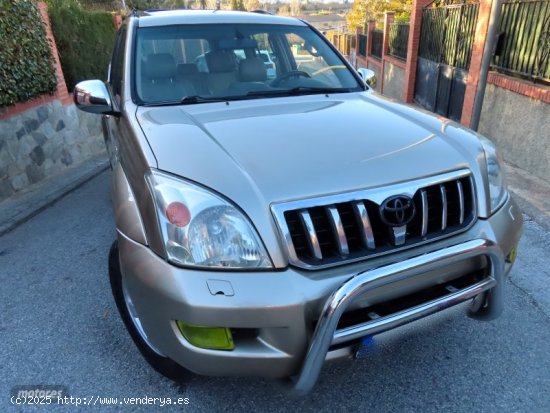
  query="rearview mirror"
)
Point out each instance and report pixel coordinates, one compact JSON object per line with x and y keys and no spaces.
{"x":312,"y":50}
{"x":92,"y":96}
{"x":369,"y":77}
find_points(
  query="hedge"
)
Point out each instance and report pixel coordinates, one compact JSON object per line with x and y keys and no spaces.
{"x":26,"y":65}
{"x":84,"y":40}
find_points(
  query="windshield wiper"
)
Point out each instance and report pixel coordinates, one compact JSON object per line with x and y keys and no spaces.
{"x":199,"y":99}
{"x":298,"y":90}
{"x":186,"y":100}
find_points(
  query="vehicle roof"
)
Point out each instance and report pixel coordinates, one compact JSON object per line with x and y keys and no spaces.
{"x":174,"y":17}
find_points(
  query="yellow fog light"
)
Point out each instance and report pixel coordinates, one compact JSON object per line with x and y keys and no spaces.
{"x":512,"y":256}
{"x":217,"y":338}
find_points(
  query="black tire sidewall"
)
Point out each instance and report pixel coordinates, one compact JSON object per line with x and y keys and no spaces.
{"x":163,"y":365}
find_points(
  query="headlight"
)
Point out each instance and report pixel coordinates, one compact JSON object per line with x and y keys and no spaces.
{"x":497,"y":184}
{"x":199,"y":228}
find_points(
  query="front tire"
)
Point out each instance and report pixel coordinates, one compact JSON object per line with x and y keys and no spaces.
{"x":152,"y":355}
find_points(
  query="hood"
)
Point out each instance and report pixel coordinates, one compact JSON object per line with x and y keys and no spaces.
{"x":290,"y":148}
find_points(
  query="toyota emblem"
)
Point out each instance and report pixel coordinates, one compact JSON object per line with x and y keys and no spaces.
{"x":397,"y":211}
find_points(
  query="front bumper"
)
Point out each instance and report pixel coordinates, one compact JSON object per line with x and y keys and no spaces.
{"x":285,"y":322}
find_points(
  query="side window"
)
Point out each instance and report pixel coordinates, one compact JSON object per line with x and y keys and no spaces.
{"x":117,"y":64}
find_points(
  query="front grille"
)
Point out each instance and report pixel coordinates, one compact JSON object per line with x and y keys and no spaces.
{"x":349,"y":227}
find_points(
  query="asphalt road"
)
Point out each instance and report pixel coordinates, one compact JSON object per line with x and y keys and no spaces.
{"x":59,"y":326}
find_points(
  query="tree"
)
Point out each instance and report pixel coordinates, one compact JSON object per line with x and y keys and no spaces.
{"x":295,"y":8}
{"x":364,"y":10}
{"x":252,"y":5}
{"x":284,"y":10}
{"x":237,"y":5}
{"x":357,"y":16}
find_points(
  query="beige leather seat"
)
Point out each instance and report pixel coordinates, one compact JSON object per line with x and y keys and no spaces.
{"x":159,"y":78}
{"x":222,"y":68}
{"x":252,"y":77}
{"x":188,"y":75}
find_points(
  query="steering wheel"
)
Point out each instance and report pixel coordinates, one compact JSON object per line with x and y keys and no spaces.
{"x":288,"y":75}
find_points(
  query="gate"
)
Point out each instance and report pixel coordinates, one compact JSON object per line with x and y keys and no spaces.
{"x":446,"y":40}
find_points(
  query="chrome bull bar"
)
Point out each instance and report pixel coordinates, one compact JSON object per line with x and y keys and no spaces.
{"x":487,"y":302}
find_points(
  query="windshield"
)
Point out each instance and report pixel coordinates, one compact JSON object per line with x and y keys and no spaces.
{"x":203,"y":63}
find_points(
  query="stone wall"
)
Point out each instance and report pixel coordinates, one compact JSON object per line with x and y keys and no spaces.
{"x":394,"y":80}
{"x":520,"y":126}
{"x":44,"y":140}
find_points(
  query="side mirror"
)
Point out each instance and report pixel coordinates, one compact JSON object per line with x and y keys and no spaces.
{"x":92,"y":96}
{"x":369,"y":77}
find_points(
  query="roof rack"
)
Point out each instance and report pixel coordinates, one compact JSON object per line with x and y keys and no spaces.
{"x":259,"y":11}
{"x":149,"y":11}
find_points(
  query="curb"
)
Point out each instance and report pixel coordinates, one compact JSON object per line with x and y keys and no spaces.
{"x":34,"y":199}
{"x":531,"y":193}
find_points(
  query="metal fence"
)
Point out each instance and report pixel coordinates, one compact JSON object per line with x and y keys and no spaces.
{"x":344,"y":44}
{"x":362,"y":49}
{"x":523,"y":48}
{"x":448,"y":33}
{"x":376,"y":46}
{"x":398,"y":40}
{"x":342,"y":41}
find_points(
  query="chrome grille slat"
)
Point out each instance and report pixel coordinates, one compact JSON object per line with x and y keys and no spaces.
{"x":366,"y":230}
{"x":334,"y":229}
{"x":443,"y":207}
{"x":313,"y":241}
{"x":338,"y":230}
{"x":460,"y":202}
{"x":424,"y":196}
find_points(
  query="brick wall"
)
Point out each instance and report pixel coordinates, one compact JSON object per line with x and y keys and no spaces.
{"x":523,"y":87}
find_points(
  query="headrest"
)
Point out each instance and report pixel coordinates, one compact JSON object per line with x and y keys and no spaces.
{"x":221,"y":61}
{"x":160,"y":66}
{"x":186,"y":69}
{"x":252,"y":70}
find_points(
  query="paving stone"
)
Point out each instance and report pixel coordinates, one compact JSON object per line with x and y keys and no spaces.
{"x":49,"y":165}
{"x":5,"y":157}
{"x":31,"y":125}
{"x":47,"y":130}
{"x":66,"y":157}
{"x":6,"y":190}
{"x":20,"y":181}
{"x":42,"y":113}
{"x":21,"y":163}
{"x":13,"y":169}
{"x":24,"y":146}
{"x":12,"y":147}
{"x":20,"y":133}
{"x":34,"y":173}
{"x":37,"y":155}
{"x":60,"y":125}
{"x":39,"y":138}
